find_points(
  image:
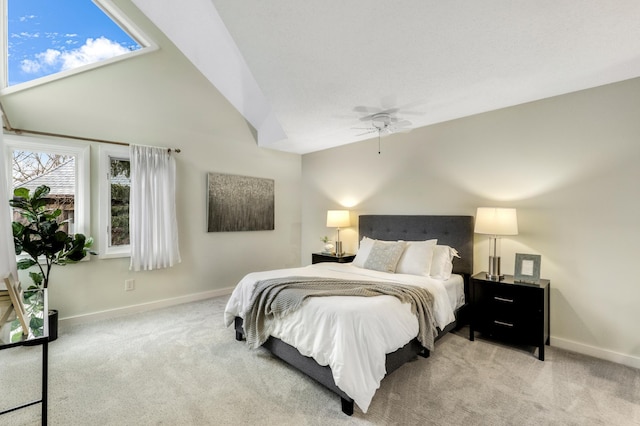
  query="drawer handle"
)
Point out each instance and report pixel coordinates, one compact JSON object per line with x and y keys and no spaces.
{"x":502,"y":299}
{"x":503,"y":323}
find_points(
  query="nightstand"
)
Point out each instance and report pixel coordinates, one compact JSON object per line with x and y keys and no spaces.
{"x":512,"y":311}
{"x":328,"y":257}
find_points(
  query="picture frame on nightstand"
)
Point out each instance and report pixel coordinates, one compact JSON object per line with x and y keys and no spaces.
{"x":527,"y":268}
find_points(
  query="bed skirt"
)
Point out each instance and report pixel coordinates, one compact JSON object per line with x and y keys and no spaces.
{"x":323,"y":374}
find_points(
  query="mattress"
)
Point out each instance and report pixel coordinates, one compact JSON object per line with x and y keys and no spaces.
{"x":352,"y":334}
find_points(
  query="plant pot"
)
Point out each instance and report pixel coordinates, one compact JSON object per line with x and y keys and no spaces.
{"x":53,"y":324}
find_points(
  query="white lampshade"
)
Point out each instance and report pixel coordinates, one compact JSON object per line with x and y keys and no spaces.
{"x":338,"y":218}
{"x":496,"y":221}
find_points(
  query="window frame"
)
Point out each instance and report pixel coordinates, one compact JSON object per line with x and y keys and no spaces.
{"x":106,"y":153}
{"x":82,"y":154}
{"x":109,"y":9}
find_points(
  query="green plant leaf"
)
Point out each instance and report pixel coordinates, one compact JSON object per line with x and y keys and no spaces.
{"x":25,"y":264}
{"x":21,"y":192}
{"x":41,"y":192}
{"x":37,"y":278}
{"x":17,"y":229}
{"x":38,"y":204}
{"x":37,"y":326}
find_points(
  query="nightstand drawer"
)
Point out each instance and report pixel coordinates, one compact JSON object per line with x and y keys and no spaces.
{"x":503,"y":297}
{"x":510,"y":326}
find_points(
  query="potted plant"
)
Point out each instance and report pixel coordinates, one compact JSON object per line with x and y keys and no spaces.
{"x":40,"y":236}
{"x":328,"y":247}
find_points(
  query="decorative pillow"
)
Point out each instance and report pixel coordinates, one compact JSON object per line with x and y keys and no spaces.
{"x":416,"y":258}
{"x":384,"y":256}
{"x":363,"y":252}
{"x":442,"y":262}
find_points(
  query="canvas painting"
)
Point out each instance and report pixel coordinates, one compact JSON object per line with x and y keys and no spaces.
{"x":240,"y":203}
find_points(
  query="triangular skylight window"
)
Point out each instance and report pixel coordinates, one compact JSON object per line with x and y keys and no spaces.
{"x":51,"y":37}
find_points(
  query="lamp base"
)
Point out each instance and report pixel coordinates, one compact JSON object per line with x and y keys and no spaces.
{"x":495,"y":277}
{"x":494,"y":269}
{"x":339,"y":251}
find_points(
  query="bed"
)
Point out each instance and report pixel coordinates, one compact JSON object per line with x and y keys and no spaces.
{"x":297,"y":343}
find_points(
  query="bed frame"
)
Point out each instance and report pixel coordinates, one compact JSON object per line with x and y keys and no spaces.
{"x":455,"y":231}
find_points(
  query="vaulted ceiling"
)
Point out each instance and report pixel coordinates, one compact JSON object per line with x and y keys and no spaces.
{"x":325,"y":65}
{"x":309,"y":75}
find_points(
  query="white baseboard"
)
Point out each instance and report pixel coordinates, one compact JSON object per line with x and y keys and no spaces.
{"x":581,"y":348}
{"x":143,"y":307}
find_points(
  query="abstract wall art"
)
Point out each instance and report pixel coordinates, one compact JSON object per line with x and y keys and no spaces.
{"x":239,"y":203}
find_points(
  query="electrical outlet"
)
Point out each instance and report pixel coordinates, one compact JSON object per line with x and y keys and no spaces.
{"x":129,"y":285}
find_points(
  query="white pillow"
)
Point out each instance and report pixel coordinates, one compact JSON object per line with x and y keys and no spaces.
{"x":384,"y":256}
{"x":442,"y":262}
{"x":416,"y":258}
{"x":363,"y":252}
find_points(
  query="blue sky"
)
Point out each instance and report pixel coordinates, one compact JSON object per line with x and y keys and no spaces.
{"x":47,"y":36}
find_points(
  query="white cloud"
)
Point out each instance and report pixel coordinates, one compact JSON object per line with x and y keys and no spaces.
{"x":94,"y":50}
{"x":49,"y":57}
{"x":25,"y":34}
{"x":43,"y":60}
{"x":30,"y":66}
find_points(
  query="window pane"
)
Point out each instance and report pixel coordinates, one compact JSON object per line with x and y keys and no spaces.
{"x":32,"y":169}
{"x":46,"y":37}
{"x":120,"y":183}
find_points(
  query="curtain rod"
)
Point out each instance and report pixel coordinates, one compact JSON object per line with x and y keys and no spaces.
{"x":82,"y":138}
{"x":7,"y":126}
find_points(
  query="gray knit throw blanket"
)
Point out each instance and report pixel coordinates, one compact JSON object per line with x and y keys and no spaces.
{"x":275,"y":298}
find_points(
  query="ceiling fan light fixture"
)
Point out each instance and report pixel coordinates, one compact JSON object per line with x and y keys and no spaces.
{"x":381,"y":121}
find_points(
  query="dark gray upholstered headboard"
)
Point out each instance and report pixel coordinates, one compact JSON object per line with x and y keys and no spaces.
{"x":454,"y":231}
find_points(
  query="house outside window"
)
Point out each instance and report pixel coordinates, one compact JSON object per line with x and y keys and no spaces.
{"x":60,"y":164}
{"x":34,"y":169}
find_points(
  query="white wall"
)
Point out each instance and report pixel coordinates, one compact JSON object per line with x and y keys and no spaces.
{"x":568,"y":164}
{"x":160,"y":99}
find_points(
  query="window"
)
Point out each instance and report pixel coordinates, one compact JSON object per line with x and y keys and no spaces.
{"x":62,"y":165}
{"x":115,"y":184}
{"x":51,"y":39}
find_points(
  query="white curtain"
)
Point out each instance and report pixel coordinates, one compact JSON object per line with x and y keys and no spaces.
{"x":153,"y":227}
{"x":7,"y":249}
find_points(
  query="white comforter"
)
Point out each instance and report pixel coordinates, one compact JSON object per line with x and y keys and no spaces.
{"x":350,"y":334}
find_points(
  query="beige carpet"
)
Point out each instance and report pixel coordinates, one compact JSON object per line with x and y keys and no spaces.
{"x":180,"y":366}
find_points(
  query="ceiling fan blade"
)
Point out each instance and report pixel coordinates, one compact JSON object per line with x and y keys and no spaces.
{"x":363,"y":109}
{"x":367,"y":133}
{"x":402,"y":123}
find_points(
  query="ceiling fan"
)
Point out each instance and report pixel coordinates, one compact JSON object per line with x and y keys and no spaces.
{"x":383,"y":124}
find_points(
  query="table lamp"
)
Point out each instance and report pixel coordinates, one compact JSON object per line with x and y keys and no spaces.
{"x":495,"y":221}
{"x":338,"y":219}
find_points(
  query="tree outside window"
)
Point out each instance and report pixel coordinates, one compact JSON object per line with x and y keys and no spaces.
{"x":120,"y":182}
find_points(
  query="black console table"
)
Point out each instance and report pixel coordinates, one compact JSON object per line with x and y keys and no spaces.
{"x":12,"y":336}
